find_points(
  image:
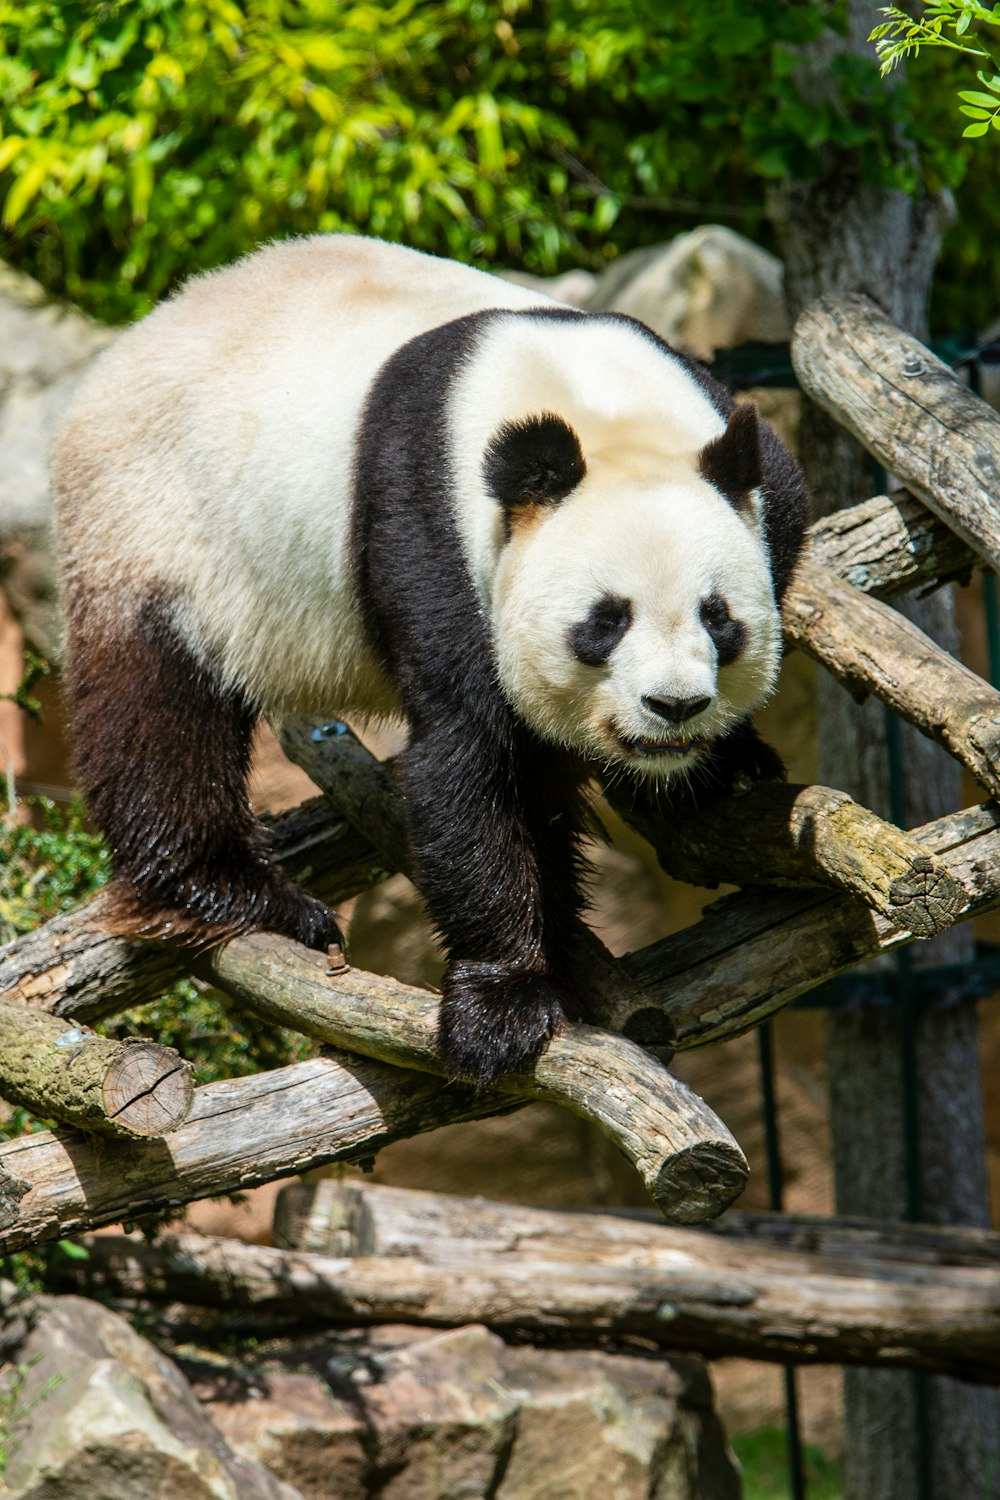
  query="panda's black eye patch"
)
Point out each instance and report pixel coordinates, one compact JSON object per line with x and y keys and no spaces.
{"x":728,"y":635}
{"x":537,"y":461}
{"x":593,"y":638}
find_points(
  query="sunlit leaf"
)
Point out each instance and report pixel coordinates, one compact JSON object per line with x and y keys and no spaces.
{"x":23,"y":192}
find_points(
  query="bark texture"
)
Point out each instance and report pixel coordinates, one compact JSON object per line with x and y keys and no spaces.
{"x":871,"y":648}
{"x":897,"y":398}
{"x":801,"y":835}
{"x":839,"y":236}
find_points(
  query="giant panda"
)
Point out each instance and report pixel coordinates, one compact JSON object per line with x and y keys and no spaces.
{"x":343,"y":477}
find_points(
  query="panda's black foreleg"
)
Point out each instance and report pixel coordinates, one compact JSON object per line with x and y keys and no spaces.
{"x":162,"y":753}
{"x":494,"y":820}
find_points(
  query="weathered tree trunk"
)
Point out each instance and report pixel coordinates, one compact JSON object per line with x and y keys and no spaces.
{"x":870,"y":647}
{"x":839,"y":234}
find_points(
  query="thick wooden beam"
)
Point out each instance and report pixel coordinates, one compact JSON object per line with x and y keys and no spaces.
{"x":748,"y":956}
{"x":798,"y":836}
{"x":332,"y":1216}
{"x":889,"y":545}
{"x":585,"y":1277}
{"x":908,"y":409}
{"x":240,"y":1132}
{"x":752,"y":954}
{"x":688,"y":1160}
{"x":245,"y":1131}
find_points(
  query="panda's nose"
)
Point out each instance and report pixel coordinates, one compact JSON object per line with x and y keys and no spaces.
{"x":674,"y":710}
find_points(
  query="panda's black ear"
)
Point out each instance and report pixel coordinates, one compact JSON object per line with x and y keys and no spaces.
{"x":537,"y":461}
{"x":732,"y":461}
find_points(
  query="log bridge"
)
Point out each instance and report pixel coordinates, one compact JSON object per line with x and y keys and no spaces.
{"x":842,"y":886}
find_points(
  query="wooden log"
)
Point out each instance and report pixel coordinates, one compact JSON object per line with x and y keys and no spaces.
{"x":752,"y":954}
{"x":683,"y":1294}
{"x":361,"y":788}
{"x":908,"y":409}
{"x":888,"y":545}
{"x":869,"y":647}
{"x":332,"y":1216}
{"x":926,"y":1245}
{"x":74,"y":966}
{"x":133,"y":1088}
{"x":798,"y":836}
{"x":240,"y":1132}
{"x":748,"y":956}
{"x":688,"y":1160}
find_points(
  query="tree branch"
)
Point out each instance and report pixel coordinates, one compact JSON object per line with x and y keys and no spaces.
{"x":871,"y":648}
{"x":798,"y":836}
{"x":240,"y":1133}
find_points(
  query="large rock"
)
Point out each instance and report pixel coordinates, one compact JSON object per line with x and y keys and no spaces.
{"x":101,"y":1414}
{"x":44,"y":349}
{"x":707,"y":290}
{"x":703,"y":291}
{"x":412,"y":1414}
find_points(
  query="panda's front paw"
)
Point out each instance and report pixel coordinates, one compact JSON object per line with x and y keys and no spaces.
{"x":496,"y":1019}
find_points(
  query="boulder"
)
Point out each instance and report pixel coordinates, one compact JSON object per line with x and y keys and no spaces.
{"x":97,"y":1413}
{"x":414,"y":1414}
{"x":706,"y":290}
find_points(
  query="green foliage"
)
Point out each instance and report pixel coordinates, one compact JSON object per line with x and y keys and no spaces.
{"x":903,"y":36}
{"x":46,"y":870}
{"x":146,"y":139}
{"x":763,"y":1457}
{"x":35,"y":668}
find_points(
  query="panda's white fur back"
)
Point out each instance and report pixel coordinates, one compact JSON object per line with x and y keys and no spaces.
{"x":226,"y":422}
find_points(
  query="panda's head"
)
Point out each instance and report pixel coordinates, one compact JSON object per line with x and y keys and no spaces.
{"x":633,"y":603}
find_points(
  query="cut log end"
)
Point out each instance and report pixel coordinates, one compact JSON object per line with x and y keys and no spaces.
{"x":701,"y":1182}
{"x":926,"y":901}
{"x":147,"y":1091}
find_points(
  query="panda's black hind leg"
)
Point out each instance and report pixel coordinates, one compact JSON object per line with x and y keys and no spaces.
{"x":162,"y":753}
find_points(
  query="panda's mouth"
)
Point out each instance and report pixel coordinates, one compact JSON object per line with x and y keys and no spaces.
{"x":644,"y":745}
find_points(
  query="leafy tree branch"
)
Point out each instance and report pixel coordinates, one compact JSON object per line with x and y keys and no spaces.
{"x":947,"y":23}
